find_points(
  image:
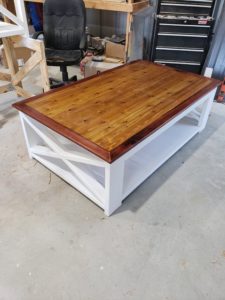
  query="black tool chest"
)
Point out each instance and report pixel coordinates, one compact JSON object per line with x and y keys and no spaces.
{"x":182,"y":33}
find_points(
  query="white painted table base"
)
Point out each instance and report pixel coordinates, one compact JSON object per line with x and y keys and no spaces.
{"x":108,"y":184}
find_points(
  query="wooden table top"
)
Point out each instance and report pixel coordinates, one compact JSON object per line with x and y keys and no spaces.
{"x":110,"y":113}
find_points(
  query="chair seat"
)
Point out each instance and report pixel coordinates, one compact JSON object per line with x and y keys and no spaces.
{"x":62,"y":57}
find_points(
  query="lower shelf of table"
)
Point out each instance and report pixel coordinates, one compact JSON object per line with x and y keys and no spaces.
{"x":137,"y":167}
{"x":96,"y":178}
{"x":146,"y":161}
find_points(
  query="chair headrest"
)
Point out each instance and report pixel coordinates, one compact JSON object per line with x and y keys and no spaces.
{"x":66,"y":7}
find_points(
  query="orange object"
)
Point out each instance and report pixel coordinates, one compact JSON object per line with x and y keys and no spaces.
{"x":221,"y":95}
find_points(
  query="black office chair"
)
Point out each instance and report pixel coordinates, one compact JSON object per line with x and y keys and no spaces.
{"x":64,"y":35}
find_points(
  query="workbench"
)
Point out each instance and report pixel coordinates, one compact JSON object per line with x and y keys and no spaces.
{"x":129,"y":8}
{"x":106,"y":134}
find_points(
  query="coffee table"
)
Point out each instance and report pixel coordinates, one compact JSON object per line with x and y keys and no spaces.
{"x":106,"y":134}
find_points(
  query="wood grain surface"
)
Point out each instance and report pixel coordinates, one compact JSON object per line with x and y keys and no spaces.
{"x":110,"y":113}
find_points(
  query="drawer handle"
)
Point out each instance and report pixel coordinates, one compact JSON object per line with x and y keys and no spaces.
{"x":180,"y":49}
{"x":184,"y":35}
{"x":186,"y":5}
{"x":185,"y":25}
{"x":203,"y":1}
{"x":177,"y":62}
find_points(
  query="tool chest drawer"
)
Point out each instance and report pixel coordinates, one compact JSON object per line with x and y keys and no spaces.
{"x":185,"y":27}
{"x":179,"y":54}
{"x":181,"y":40}
{"x":190,"y":67}
{"x":194,"y":8}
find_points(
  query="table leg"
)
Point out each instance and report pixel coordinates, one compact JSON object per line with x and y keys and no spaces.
{"x":114,"y":180}
{"x":206,"y":110}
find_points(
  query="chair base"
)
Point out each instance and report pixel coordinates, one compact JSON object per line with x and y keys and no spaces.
{"x":54,"y":83}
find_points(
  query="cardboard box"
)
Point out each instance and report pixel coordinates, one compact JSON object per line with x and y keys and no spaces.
{"x":93,"y":67}
{"x":22,"y":55}
{"x":114,"y":50}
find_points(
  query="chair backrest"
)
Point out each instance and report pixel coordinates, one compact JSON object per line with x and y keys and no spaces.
{"x":64,"y":24}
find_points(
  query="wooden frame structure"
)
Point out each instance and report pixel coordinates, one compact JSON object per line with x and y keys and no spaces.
{"x":17,"y":35}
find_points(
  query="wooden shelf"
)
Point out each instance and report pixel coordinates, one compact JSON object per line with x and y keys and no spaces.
{"x":37,"y":1}
{"x":110,"y":5}
{"x":116,"y":6}
{"x":127,"y":7}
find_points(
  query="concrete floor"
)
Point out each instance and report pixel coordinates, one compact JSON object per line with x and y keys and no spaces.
{"x":167,"y":241}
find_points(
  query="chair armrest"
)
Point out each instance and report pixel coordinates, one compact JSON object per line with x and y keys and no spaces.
{"x":36,"y":34}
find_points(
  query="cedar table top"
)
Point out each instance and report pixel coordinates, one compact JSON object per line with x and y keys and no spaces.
{"x":110,"y":113}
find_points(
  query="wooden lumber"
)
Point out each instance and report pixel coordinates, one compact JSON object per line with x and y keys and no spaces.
{"x":5,"y":76}
{"x":17,"y":75}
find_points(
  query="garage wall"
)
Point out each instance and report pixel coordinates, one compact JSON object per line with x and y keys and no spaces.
{"x":216,"y":56}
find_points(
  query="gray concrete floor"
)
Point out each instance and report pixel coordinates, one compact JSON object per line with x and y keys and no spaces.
{"x":167,"y":241}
